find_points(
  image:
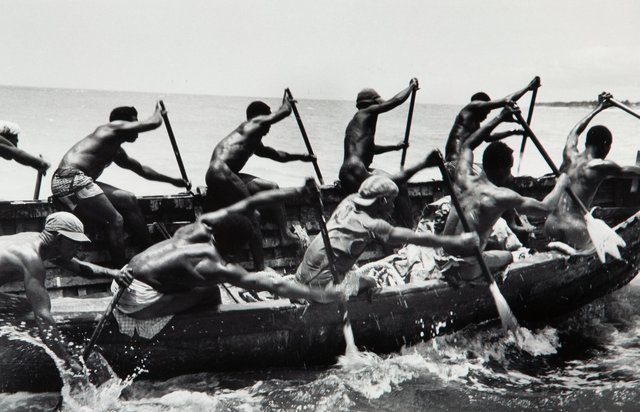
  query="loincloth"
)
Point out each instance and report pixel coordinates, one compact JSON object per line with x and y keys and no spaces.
{"x":138,"y":296}
{"x":69,"y":185}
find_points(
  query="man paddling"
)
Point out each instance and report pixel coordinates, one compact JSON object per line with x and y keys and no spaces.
{"x":9,"y":150}
{"x":226,"y":185}
{"x":360,"y":147}
{"x":474,"y":113}
{"x":22,"y":258}
{"x":184,"y":271}
{"x":586,"y":171}
{"x":484,"y":203}
{"x":357,"y":222}
{"x":75,"y":183}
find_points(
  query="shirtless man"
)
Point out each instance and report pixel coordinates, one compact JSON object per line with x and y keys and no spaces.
{"x":184,"y":271}
{"x":357,"y":222}
{"x":9,"y":132}
{"x":470,"y":117}
{"x":22,"y":258}
{"x":74,"y":182}
{"x":360,"y":147}
{"x":226,"y":185}
{"x":484,"y":203}
{"x":586,"y":171}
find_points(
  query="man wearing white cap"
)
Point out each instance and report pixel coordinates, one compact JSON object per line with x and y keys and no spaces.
{"x":355,"y":224}
{"x":9,"y":132}
{"x":22,"y":258}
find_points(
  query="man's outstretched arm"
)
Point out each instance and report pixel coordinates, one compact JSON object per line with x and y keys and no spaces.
{"x":464,"y":241}
{"x":571,"y":147}
{"x":10,"y":152}
{"x":152,"y":122}
{"x":483,"y":134}
{"x":124,"y":161}
{"x":280,"y":156}
{"x":396,"y":100}
{"x":92,"y":271}
{"x":260,"y":199}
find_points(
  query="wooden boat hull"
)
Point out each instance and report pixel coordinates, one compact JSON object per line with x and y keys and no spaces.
{"x":278,"y":333}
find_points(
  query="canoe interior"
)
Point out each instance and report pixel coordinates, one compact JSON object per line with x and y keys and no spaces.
{"x":176,"y":210}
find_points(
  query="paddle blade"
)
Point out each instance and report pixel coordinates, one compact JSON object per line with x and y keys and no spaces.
{"x":508,"y":319}
{"x":604,"y":239}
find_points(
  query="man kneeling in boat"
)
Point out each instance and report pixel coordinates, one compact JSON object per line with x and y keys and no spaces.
{"x":586,"y":171}
{"x":184,"y":271}
{"x":22,"y":258}
{"x":357,"y":222}
{"x":484,"y":202}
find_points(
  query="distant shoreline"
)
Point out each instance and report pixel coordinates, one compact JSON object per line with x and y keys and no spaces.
{"x":584,"y":103}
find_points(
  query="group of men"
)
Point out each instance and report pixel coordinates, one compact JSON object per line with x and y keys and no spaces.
{"x":186,"y":269}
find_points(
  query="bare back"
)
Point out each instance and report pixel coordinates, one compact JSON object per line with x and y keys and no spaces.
{"x":93,"y":153}
{"x":236,"y":149}
{"x":464,"y":125}
{"x":359,"y":140}
{"x":19,"y":256}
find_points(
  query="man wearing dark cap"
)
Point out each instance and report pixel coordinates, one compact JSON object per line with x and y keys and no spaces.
{"x":75,"y":185}
{"x":586,"y":170}
{"x":357,"y":222}
{"x":22,"y":258}
{"x":474,"y":113}
{"x":226,"y":185}
{"x":9,"y":132}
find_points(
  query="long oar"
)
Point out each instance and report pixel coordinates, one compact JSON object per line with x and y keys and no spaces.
{"x":509,"y":321}
{"x":605,"y":239}
{"x":36,"y":190}
{"x":407,"y":130}
{"x":524,"y":138}
{"x":102,"y":323}
{"x":176,"y":151}
{"x":294,"y":108}
{"x":625,"y":108}
{"x":342,"y":305}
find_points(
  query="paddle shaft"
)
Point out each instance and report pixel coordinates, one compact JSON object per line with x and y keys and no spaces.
{"x":547,"y":158}
{"x":174,"y":145}
{"x":625,"y":108}
{"x":36,"y":190}
{"x":294,"y":108}
{"x":534,"y":94}
{"x":407,"y":130}
{"x":102,"y":323}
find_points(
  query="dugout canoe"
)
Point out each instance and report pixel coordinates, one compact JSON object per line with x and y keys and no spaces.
{"x":278,"y":333}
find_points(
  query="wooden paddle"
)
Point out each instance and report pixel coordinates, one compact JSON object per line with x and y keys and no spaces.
{"x":524,"y":138}
{"x":36,"y":190}
{"x":508,"y":319}
{"x":624,"y":107}
{"x":294,"y":108}
{"x":407,"y":130}
{"x":605,"y":239}
{"x":103,"y":322}
{"x":342,"y":305}
{"x":174,"y":144}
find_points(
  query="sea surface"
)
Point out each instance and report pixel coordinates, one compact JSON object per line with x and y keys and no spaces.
{"x":590,"y":361}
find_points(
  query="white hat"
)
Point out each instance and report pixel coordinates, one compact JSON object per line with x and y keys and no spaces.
{"x":374,"y":187}
{"x":67,"y":225}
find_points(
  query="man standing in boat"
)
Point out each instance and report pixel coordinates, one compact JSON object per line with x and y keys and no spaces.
{"x":75,"y":184}
{"x":474,"y":113}
{"x":185,"y":271}
{"x":9,"y":132}
{"x":357,"y":222}
{"x":484,"y":202}
{"x":226,"y":185}
{"x":22,"y":258}
{"x":586,"y":171}
{"x":360,"y":147}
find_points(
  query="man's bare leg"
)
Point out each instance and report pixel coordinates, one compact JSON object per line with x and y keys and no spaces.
{"x":126,"y":203}
{"x":100,"y":211}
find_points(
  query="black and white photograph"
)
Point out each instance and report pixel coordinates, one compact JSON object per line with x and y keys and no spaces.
{"x":330,"y":205}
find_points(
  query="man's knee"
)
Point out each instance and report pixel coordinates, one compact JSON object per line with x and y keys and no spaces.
{"x":125,"y":200}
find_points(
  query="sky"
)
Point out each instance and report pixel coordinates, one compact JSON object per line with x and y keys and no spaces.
{"x":324,"y":49}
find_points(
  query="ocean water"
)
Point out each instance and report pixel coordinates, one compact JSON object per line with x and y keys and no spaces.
{"x":590,"y":361}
